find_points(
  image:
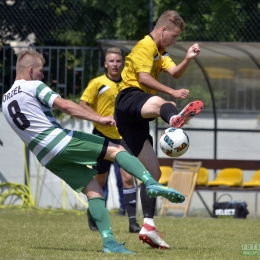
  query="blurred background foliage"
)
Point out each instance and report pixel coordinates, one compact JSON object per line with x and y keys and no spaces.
{"x":83,"y":22}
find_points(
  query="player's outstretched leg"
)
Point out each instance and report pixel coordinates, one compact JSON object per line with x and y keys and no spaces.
{"x":191,"y":110}
{"x":155,"y":190}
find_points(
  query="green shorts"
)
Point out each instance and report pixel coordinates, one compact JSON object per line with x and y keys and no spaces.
{"x":71,"y":164}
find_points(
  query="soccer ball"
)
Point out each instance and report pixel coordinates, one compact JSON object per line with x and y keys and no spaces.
{"x":174,"y":142}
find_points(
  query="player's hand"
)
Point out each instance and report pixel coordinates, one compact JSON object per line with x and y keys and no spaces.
{"x":180,"y":93}
{"x":107,"y":120}
{"x":193,"y":51}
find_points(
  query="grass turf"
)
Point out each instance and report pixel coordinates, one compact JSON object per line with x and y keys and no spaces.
{"x":34,"y":234}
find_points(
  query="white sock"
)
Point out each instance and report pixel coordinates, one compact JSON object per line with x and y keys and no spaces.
{"x":149,"y":221}
{"x":172,"y":119}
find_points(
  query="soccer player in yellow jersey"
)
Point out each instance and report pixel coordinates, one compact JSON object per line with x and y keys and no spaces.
{"x":137,"y":104}
{"x":100,"y":95}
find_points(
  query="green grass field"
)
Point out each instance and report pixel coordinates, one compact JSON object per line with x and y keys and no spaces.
{"x":35,"y":234}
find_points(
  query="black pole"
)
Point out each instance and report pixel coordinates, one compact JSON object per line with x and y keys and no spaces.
{"x":26,"y":166}
{"x":150,"y":15}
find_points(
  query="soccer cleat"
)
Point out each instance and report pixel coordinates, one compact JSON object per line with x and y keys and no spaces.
{"x":170,"y":194}
{"x":113,"y":246}
{"x":134,"y":227}
{"x":150,"y":236}
{"x":92,"y":225}
{"x":191,"y":110}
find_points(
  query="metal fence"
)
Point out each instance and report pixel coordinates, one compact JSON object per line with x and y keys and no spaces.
{"x":229,"y":71}
{"x":67,"y":69}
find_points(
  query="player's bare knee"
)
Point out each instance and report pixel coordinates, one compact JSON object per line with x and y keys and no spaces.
{"x":112,"y":151}
{"x":128,"y":184}
{"x":101,"y":179}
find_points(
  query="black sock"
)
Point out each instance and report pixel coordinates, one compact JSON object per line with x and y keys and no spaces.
{"x":167,"y":111}
{"x":130,"y":203}
{"x":148,"y":204}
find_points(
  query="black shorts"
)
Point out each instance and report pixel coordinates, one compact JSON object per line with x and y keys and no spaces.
{"x":103,"y":165}
{"x":131,"y":125}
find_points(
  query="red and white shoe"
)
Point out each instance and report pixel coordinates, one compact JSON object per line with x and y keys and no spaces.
{"x":191,"y":110}
{"x":150,"y":236}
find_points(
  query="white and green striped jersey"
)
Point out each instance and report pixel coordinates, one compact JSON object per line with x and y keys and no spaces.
{"x":27,"y":107}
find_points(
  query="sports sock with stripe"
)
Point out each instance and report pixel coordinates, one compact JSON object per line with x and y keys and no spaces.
{"x":100,"y":215}
{"x":133,"y":166}
{"x":130,"y":203}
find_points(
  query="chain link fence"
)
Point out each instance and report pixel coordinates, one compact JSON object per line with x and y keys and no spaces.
{"x":222,"y":21}
{"x":56,"y":22}
{"x":82,"y":22}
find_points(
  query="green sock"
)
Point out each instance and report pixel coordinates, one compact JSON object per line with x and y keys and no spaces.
{"x":133,"y":166}
{"x":101,"y":217}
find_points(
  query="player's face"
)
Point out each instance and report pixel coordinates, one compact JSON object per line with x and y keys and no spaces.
{"x":169,"y":37}
{"x":36,"y":73}
{"x":113,"y":64}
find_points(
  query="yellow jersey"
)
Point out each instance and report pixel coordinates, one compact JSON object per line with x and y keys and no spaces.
{"x":101,"y":93}
{"x":144,"y":57}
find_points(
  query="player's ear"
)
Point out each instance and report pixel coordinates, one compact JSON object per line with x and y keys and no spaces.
{"x":31,"y":71}
{"x":164,"y":28}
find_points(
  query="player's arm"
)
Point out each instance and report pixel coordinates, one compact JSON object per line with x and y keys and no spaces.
{"x":147,"y":80}
{"x":77,"y":111}
{"x":85,"y":105}
{"x":177,"y":71}
{"x":88,"y":107}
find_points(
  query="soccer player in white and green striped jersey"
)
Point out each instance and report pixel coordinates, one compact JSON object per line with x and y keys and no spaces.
{"x":27,"y":107}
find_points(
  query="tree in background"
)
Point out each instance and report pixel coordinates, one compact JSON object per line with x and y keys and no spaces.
{"x":206,"y":20}
{"x":130,"y":21}
{"x":210,"y":20}
{"x":55,"y":22}
{"x":82,"y":22}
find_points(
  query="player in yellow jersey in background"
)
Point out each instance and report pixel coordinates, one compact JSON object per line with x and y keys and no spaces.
{"x":100,"y":95}
{"x":137,"y":104}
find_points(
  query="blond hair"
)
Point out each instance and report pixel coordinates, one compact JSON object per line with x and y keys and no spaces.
{"x":114,"y":50}
{"x":170,"y":19}
{"x":28,"y":58}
